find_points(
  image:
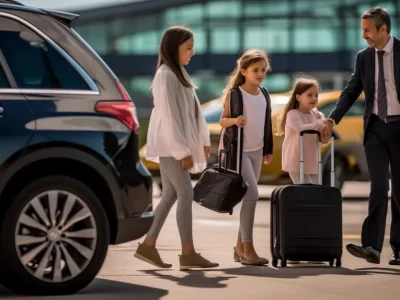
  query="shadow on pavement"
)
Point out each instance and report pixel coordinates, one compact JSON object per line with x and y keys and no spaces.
{"x":101,"y":289}
{"x":383,"y":271}
{"x":193,"y":279}
{"x":206,"y":279}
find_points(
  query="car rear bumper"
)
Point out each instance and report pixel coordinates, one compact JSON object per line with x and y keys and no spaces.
{"x":130,"y":229}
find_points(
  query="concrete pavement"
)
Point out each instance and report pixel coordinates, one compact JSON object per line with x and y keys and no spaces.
{"x":124,"y":277}
{"x":350,"y":190}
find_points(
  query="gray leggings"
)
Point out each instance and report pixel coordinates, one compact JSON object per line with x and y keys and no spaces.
{"x":251,"y":168}
{"x":176,"y":184}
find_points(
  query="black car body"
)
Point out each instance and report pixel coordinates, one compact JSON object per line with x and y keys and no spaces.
{"x":71,"y":180}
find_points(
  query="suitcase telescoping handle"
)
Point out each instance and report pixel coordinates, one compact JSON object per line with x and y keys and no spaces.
{"x":239,"y":151}
{"x":227,"y":153}
{"x":238,"y":154}
{"x":319,"y":157}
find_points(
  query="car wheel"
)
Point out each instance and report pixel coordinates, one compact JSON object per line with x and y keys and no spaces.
{"x":54,"y":237}
{"x":340,"y":172}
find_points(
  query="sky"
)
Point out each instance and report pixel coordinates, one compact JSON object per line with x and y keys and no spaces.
{"x":72,"y":4}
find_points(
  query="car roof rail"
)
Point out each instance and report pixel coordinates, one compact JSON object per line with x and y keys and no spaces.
{"x":65,"y":17}
{"x":11,"y":2}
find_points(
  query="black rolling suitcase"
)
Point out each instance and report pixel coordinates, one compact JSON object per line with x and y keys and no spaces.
{"x":306,"y":219}
{"x":221,"y":189}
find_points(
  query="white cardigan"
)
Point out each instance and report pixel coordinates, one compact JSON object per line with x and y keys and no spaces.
{"x":173,"y":130}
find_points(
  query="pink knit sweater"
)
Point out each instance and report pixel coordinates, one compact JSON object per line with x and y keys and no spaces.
{"x":297,"y":121}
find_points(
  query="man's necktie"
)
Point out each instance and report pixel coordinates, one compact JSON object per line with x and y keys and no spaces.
{"x":382,"y":100}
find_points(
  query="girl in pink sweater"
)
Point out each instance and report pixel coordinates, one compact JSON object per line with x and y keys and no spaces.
{"x":301,"y":114}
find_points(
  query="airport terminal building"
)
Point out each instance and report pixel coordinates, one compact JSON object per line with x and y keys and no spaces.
{"x":317,"y":37}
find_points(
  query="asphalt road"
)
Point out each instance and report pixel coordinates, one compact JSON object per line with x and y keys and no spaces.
{"x":124,"y":277}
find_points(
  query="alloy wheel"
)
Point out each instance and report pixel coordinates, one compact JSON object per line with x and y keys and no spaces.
{"x":55,"y":236}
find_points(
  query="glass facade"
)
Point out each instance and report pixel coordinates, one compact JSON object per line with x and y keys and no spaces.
{"x":224,"y":28}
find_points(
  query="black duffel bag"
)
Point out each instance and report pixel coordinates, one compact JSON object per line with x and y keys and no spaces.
{"x":219,"y":188}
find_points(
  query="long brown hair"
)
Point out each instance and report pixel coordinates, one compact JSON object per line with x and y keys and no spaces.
{"x":300,"y":86}
{"x":168,"y":51}
{"x":245,"y":61}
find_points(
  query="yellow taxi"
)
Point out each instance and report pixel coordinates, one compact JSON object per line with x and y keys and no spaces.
{"x":350,"y":162}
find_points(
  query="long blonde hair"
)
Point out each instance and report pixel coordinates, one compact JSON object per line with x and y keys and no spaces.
{"x":300,"y":86}
{"x":248,"y":58}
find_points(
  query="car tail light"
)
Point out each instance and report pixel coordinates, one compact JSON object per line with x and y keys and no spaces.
{"x":124,"y":110}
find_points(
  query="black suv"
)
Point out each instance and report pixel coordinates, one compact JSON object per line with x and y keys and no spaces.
{"x":71,"y":180}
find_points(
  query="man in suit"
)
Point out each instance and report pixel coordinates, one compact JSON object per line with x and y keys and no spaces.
{"x":377,"y":72}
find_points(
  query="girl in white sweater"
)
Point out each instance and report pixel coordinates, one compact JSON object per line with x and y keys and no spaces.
{"x":178,"y":139}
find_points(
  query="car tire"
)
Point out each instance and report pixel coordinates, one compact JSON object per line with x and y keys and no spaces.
{"x":340,"y":172}
{"x":69,"y":254}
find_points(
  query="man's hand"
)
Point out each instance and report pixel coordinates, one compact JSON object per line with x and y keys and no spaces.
{"x":268,"y":159}
{"x":329,"y":123}
{"x":206,"y":151}
{"x":187,"y":163}
{"x":326,"y":133}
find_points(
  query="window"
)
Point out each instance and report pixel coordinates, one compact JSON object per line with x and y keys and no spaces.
{"x":316,"y":35}
{"x":3,"y":80}
{"x":277,"y":83}
{"x":224,"y":9}
{"x":213,"y":114}
{"x":225,"y":40}
{"x":209,"y":86}
{"x":257,"y":8}
{"x":141,"y":85}
{"x":33,"y":62}
{"x":357,"y":110}
{"x":270,"y":35}
{"x":185,"y":15}
{"x":200,"y":40}
{"x":145,"y":42}
{"x":96,"y":36}
{"x":327,"y":108}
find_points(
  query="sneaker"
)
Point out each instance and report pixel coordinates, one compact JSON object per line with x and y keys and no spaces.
{"x":151,"y":256}
{"x":195,"y":261}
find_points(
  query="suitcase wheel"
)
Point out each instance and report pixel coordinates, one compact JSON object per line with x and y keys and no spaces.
{"x":283,"y":263}
{"x":331,"y":262}
{"x":274,"y":262}
{"x":338,"y":263}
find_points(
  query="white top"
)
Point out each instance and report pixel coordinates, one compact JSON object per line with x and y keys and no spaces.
{"x":393,"y":105}
{"x":254,"y":108}
{"x":174,"y":131}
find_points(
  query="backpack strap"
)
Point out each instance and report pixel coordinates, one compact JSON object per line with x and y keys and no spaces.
{"x":268,"y":138}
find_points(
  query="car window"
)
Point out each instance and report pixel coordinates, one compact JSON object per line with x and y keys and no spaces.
{"x":357,"y":109}
{"x":213,"y":115}
{"x":3,"y":80}
{"x":327,"y":108}
{"x":34,"y":63}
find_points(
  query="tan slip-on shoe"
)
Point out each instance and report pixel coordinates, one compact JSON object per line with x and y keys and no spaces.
{"x":151,"y":256}
{"x":254,"y":262}
{"x":236,"y":257}
{"x":195,"y":261}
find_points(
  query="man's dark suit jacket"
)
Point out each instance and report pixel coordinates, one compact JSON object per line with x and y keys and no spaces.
{"x":363,"y":78}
